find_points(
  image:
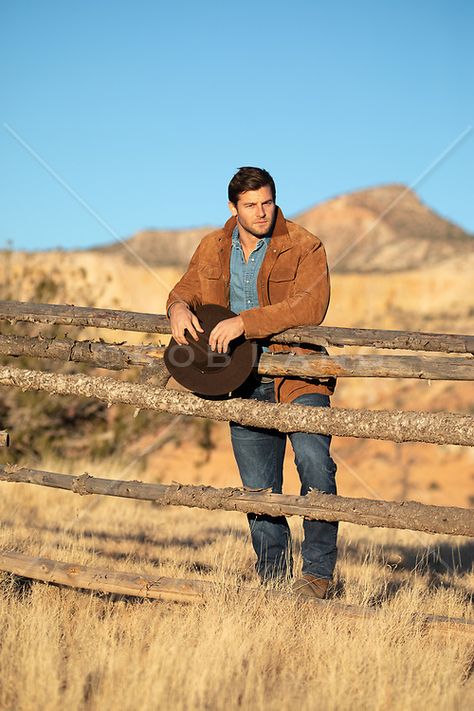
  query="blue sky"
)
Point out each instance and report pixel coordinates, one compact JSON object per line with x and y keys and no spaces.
{"x":144,"y":110}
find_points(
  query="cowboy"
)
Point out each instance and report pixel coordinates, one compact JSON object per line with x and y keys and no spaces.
{"x":273,"y":275}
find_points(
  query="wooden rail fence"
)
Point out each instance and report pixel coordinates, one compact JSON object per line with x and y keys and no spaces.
{"x":398,"y":426}
{"x":80,"y":316}
{"x":314,"y":506}
{"x":118,"y":356}
{"x":191,"y":591}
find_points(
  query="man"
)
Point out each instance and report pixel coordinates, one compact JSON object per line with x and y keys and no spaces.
{"x":274,"y":275}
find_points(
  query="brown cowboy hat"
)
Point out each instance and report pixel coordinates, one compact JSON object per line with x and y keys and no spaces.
{"x":206,"y":372}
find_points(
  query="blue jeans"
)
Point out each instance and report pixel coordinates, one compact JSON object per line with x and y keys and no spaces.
{"x":259,"y":454}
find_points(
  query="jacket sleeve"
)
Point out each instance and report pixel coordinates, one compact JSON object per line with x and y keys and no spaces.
{"x":307,"y":304}
{"x":188,"y":288}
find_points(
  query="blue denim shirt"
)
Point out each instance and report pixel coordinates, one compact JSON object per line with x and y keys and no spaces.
{"x":243,"y":275}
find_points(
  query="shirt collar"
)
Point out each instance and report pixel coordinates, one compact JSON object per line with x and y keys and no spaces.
{"x":235,"y":235}
{"x":236,"y":239}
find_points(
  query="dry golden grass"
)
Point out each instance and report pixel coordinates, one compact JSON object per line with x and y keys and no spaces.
{"x":62,"y":648}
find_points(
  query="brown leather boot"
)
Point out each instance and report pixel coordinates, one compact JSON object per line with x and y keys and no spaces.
{"x":310,"y":586}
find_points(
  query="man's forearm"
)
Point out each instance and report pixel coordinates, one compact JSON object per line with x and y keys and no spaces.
{"x":298,"y":310}
{"x":265,"y":321}
{"x":306,"y":306}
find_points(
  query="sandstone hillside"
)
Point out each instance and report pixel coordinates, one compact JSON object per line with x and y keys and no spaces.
{"x":386,"y":228}
{"x":435,"y":296}
{"x":157,"y":247}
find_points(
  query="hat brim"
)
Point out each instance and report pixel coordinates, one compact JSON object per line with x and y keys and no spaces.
{"x":213,"y":381}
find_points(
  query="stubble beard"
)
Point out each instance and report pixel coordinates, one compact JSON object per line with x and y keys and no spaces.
{"x":266,"y":229}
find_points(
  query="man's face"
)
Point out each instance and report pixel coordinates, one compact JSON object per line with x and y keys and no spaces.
{"x":255,"y":211}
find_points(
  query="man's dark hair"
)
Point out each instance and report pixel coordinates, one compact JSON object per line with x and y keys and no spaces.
{"x":248,"y":178}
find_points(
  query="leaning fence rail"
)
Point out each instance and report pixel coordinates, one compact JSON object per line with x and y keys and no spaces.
{"x":191,"y":591}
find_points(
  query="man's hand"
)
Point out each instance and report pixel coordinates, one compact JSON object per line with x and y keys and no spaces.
{"x":182,"y":319}
{"x":224,"y":332}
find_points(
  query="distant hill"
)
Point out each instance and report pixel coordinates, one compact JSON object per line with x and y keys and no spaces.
{"x":158,"y":248}
{"x":385,"y":228}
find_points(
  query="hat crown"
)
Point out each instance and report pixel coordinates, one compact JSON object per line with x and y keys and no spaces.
{"x":200,"y":353}
{"x":203,"y":370}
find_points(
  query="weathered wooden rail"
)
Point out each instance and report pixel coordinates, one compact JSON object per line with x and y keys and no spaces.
{"x":314,"y":506}
{"x":401,"y":426}
{"x":68,"y":315}
{"x":190,"y":591}
{"x":119,"y":356}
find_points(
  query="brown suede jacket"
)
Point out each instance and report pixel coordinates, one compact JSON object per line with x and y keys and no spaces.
{"x":292,"y":285}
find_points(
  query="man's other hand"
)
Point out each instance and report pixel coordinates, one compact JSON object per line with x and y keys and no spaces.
{"x":224,"y":332}
{"x":182,"y":319}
